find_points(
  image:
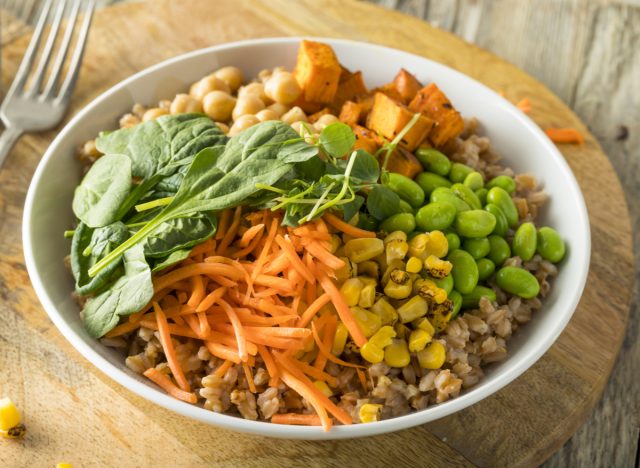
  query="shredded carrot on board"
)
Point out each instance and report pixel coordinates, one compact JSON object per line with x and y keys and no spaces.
{"x":565,"y":135}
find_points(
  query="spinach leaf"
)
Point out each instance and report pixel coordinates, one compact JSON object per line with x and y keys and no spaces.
{"x":179,"y":233}
{"x":171,"y":259}
{"x":127,"y":295}
{"x":103,"y":189}
{"x":350,"y":209}
{"x":337,"y":139}
{"x":366,"y":169}
{"x":382,"y":202}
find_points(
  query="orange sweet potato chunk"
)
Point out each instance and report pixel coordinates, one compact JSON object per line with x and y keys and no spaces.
{"x":403,"y":162}
{"x":433,"y":103}
{"x":350,"y":86}
{"x":317,"y":71}
{"x":407,"y":85}
{"x":366,"y":139}
{"x":350,"y":113}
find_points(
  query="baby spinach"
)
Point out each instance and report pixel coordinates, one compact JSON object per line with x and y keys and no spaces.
{"x":171,"y":259}
{"x":382,"y":202}
{"x":103,"y":189}
{"x":179,"y":233}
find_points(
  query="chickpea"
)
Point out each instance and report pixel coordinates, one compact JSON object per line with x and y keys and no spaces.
{"x":218,"y":105}
{"x":267,"y":73}
{"x":164,"y":104}
{"x":266,"y":114}
{"x":282,"y":87}
{"x":138,"y":110}
{"x":223,"y":126}
{"x":232,"y":76}
{"x":250,"y":104}
{"x":278,"y":108}
{"x":305,"y":130}
{"x":154,"y":113}
{"x":201,"y":88}
{"x":184,"y":103}
{"x":293,"y":115}
{"x":242,"y":123}
{"x":128,"y":121}
{"x":254,"y":89}
{"x":325,"y":120}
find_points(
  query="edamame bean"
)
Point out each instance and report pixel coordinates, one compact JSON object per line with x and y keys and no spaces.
{"x":405,"y":207}
{"x":499,"y":197}
{"x":472,"y":299}
{"x":406,"y":188}
{"x":459,"y":172}
{"x":456,"y":298}
{"x":525,"y":241}
{"x":474,"y":223}
{"x":436,"y":216}
{"x":404,"y":222}
{"x":550,"y":245}
{"x":434,"y":161}
{"x":500,"y":250}
{"x":464,"y":271}
{"x":453,"y":240}
{"x":445,"y":283}
{"x":481,"y":193}
{"x":466,"y":194}
{"x":501,"y":221}
{"x":429,"y":181}
{"x":367,"y":222}
{"x":445,"y":194}
{"x":505,"y":182}
{"x":518,"y":281}
{"x":474,"y":180}
{"x":486,"y":268}
{"x":478,"y":248}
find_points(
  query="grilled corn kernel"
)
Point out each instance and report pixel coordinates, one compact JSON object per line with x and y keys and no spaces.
{"x":323,"y":387}
{"x":418,"y":245}
{"x":414,"y":308}
{"x":372,"y":353}
{"x":397,"y":291}
{"x":395,"y":236}
{"x":394,"y":265}
{"x":396,"y":250}
{"x":361,"y":250}
{"x":15,"y":432}
{"x":385,"y":311}
{"x":397,"y":353}
{"x":334,"y":243}
{"x":9,"y":414}
{"x":369,"y":412}
{"x":367,"y":296}
{"x":431,"y":292}
{"x":423,"y":324}
{"x":350,"y":291}
{"x":437,"y":245}
{"x":418,"y":340}
{"x":433,"y":356}
{"x":368,"y":322}
{"x":347,"y":271}
{"x":440,"y":314}
{"x":436,"y":267}
{"x":414,"y":265}
{"x":369,"y":268}
{"x":339,"y":339}
{"x":399,"y":276}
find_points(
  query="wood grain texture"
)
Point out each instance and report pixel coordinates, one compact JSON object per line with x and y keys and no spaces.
{"x":75,"y":413}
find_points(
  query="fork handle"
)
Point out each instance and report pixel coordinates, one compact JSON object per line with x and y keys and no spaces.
{"x":8,"y":138}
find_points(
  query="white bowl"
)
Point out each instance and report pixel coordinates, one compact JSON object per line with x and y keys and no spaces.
{"x":513,"y":135}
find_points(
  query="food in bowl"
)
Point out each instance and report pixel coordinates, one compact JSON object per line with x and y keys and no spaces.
{"x":307,"y":249}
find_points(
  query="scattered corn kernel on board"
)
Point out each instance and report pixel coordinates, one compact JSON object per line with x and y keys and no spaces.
{"x":75,"y":413}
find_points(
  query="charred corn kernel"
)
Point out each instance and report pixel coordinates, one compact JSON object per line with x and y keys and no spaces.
{"x":423,"y":324}
{"x":437,"y":245}
{"x":369,"y":412}
{"x":431,"y":292}
{"x":418,"y":339}
{"x":367,"y":296}
{"x":394,"y":265}
{"x":440,"y":314}
{"x":385,"y":311}
{"x":418,"y":245}
{"x":397,"y":291}
{"x":397,"y":353}
{"x":347,"y":271}
{"x":369,"y":268}
{"x":417,"y":285}
{"x":350,"y":291}
{"x":335,"y":243}
{"x":361,"y":250}
{"x":339,"y":339}
{"x":64,"y":465}
{"x":396,"y":250}
{"x":414,"y":308}
{"x":414,"y":265}
{"x":395,"y":236}
{"x":368,"y":322}
{"x":433,"y":356}
{"x":399,"y":276}
{"x":436,"y":267}
{"x":9,"y":415}
{"x":15,"y":432}
{"x":323,"y":387}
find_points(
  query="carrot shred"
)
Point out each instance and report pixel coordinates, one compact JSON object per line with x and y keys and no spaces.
{"x":313,"y":309}
{"x":223,"y":352}
{"x":362,"y":378}
{"x":347,"y":228}
{"x":211,"y":299}
{"x":231,"y":232}
{"x":565,"y":135}
{"x":188,"y":271}
{"x":251,"y":233}
{"x":169,"y":351}
{"x":293,"y":257}
{"x":327,"y":352}
{"x":224,"y":367}
{"x":524,"y":105}
{"x":327,"y":341}
{"x":249,"y":376}
{"x":198,"y":291}
{"x":296,"y":419}
{"x":224,"y":223}
{"x":322,"y":254}
{"x":270,"y":364}
{"x":163,"y":381}
{"x":123,"y":328}
{"x":273,"y":230}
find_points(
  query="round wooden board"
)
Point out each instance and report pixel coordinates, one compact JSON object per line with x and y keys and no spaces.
{"x":75,"y":413}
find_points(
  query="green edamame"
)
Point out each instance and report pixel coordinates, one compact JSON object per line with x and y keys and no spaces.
{"x":525,"y":241}
{"x":405,"y":207}
{"x":453,"y":240}
{"x":404,"y":222}
{"x":466,"y":194}
{"x":474,"y":223}
{"x":550,"y":245}
{"x":464,"y":271}
{"x":474,"y":180}
{"x":446,"y":195}
{"x":472,"y":299}
{"x":486,"y":268}
{"x":500,"y":250}
{"x":406,"y":189}
{"x":434,"y":161}
{"x":445,"y":283}
{"x":501,"y":221}
{"x":478,"y":248}
{"x":459,"y":172}
{"x":436,"y":216}
{"x":518,"y":281}
{"x":456,"y":298}
{"x":501,"y":198}
{"x":504,"y":182}
{"x":481,"y":193}
{"x":429,"y":181}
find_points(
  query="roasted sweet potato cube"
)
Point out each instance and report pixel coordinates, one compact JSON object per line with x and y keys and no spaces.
{"x":351,"y":85}
{"x":313,"y":118}
{"x":407,"y":85}
{"x":350,"y":113}
{"x":403,"y":162}
{"x":317,"y":71}
{"x":366,"y":139}
{"x":433,"y":103}
{"x":367,"y":103}
{"x":388,"y":117}
{"x":307,"y":106}
{"x":390,"y":90}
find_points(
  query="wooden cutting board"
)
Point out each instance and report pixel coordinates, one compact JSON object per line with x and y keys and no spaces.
{"x":75,"y":413}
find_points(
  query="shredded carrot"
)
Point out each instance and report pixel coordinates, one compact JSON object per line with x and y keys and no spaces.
{"x":211,"y":299}
{"x":188,"y":271}
{"x":322,"y":254}
{"x":224,"y":367}
{"x":249,"y":376}
{"x":270,"y":364}
{"x":329,"y":333}
{"x":237,"y":328}
{"x":224,"y":223}
{"x":565,"y":135}
{"x":169,"y":351}
{"x":223,"y":352}
{"x":163,"y":381}
{"x":362,"y":378}
{"x":293,"y":257}
{"x":347,"y":228}
{"x":123,"y":328}
{"x":313,"y":309}
{"x":231,"y":232}
{"x":273,"y":230}
{"x":317,"y":373}
{"x":524,"y":105}
{"x":206,"y":246}
{"x":251,"y":233}
{"x":198,"y":291}
{"x":327,"y":351}
{"x":296,"y":419}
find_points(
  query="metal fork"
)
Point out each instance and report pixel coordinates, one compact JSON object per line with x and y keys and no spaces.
{"x":32,"y":109}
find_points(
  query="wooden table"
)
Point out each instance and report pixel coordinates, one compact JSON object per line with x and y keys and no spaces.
{"x":89,"y":421}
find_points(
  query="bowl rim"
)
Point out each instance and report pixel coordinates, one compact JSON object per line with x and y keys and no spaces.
{"x":152,"y":393}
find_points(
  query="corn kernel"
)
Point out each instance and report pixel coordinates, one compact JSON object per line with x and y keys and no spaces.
{"x":335,"y":243}
{"x":431,"y":292}
{"x":323,"y":387}
{"x":414,"y":308}
{"x":440,"y":314}
{"x":414,"y":265}
{"x":382,"y":338}
{"x":418,"y":340}
{"x":418,"y":245}
{"x":339,"y":339}
{"x":385,"y":311}
{"x":396,"y":250}
{"x":350,"y":291}
{"x":64,"y":465}
{"x":367,"y":296}
{"x":346,"y":238}
{"x":368,"y":322}
{"x":361,"y":250}
{"x":437,"y":245}
{"x":9,"y":415}
{"x":433,"y":356}
{"x":369,"y":268}
{"x":367,"y":280}
{"x":395,"y":236}
{"x":424,"y":324}
{"x":397,"y":353}
{"x":436,"y":267}
{"x":308,"y":344}
{"x":399,"y":276}
{"x":369,"y":412}
{"x":347,"y":271}
{"x":393,"y":265}
{"x":397,"y":291}
{"x":371,"y":353}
